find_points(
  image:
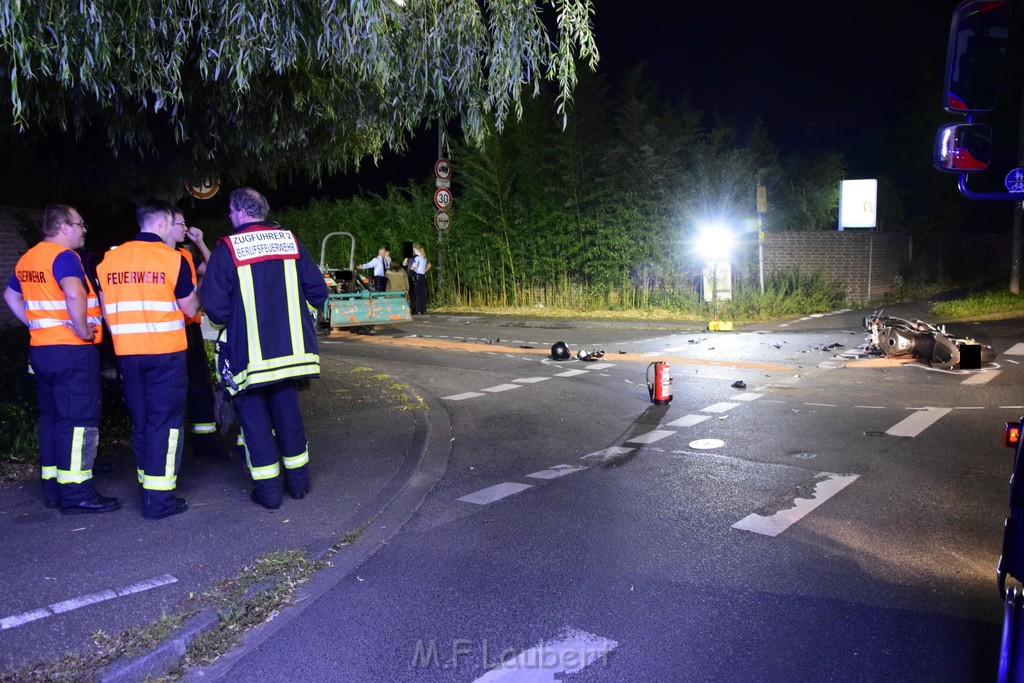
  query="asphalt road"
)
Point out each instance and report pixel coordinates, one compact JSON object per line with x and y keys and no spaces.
{"x":830,"y":520}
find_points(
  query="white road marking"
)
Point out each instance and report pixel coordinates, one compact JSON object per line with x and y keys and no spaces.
{"x":600,"y":366}
{"x":502,"y":387}
{"x":462,"y":397}
{"x":1012,"y":407}
{"x":773,"y":525}
{"x":969,"y":408}
{"x":747,"y":396}
{"x":1015,"y":350}
{"x":981,"y":378}
{"x":571,"y":373}
{"x":651,"y":437}
{"x":572,"y":651}
{"x":706,"y":444}
{"x":719,"y":407}
{"x":1012,"y":361}
{"x":556,"y":472}
{"x":84,"y":601}
{"x":673,"y":349}
{"x":822,"y":405}
{"x":918,"y":422}
{"x":688,"y":420}
{"x":494,"y":493}
{"x":611,"y":451}
{"x":872,"y":407}
{"x":531,"y":380}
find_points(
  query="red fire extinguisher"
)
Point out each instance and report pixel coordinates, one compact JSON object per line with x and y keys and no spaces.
{"x":661,"y":388}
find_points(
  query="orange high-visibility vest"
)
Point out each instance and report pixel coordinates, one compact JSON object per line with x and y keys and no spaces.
{"x":138,"y":281}
{"x":46,"y":306}
{"x":198,"y":317}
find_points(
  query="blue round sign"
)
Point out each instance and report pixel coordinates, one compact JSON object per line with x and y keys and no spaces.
{"x":1015,"y":180}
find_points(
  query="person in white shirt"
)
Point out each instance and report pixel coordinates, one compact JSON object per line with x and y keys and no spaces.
{"x":380,"y":264}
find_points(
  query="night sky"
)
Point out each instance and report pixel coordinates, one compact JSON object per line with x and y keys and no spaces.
{"x":838,"y":68}
{"x":822,"y":75}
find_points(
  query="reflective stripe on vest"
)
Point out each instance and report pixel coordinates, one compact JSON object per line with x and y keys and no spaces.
{"x":46,"y":307}
{"x":139,"y":303}
{"x":198,"y":317}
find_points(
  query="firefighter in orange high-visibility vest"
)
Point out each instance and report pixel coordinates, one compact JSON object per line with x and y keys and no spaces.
{"x":147,"y":291}
{"x":51,"y":294}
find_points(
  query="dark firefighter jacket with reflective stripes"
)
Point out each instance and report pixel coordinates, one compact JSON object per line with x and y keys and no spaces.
{"x":258,"y":289}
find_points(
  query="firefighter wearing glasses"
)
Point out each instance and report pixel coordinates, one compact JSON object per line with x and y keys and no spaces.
{"x":146,"y":288}
{"x":258,"y":286}
{"x":50,"y":293}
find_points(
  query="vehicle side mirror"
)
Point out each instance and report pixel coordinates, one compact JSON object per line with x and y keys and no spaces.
{"x":978,"y":40}
{"x":963,"y":147}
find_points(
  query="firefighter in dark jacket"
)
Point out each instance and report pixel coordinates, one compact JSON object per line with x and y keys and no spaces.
{"x":258,"y":290}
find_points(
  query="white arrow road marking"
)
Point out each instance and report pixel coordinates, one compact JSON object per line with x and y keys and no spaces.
{"x":494,"y":493}
{"x":571,"y":651}
{"x":981,"y":377}
{"x":918,"y":422}
{"x":773,"y":525}
{"x":84,"y":601}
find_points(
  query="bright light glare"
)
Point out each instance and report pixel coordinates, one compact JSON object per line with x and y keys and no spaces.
{"x":714,"y":242}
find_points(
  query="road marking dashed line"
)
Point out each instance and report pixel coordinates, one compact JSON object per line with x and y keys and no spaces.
{"x":688,"y":421}
{"x":493,"y":493}
{"x":918,"y":422}
{"x":719,"y":407}
{"x":981,"y":377}
{"x":84,"y":601}
{"x":651,"y":436}
{"x":502,"y":387}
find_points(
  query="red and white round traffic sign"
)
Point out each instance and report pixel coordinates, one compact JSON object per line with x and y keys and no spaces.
{"x":443,"y":198}
{"x":443,"y":169}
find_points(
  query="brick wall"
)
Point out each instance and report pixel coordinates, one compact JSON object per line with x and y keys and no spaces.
{"x":868,"y":263}
{"x":12,"y":246}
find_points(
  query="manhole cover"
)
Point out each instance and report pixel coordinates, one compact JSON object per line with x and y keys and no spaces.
{"x":805,"y":456}
{"x":705,"y":444}
{"x":876,"y":433}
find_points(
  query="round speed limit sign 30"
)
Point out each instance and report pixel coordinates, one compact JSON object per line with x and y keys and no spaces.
{"x":443,"y":198}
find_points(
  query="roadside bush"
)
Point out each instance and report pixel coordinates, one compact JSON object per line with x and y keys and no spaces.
{"x":19,"y":414}
{"x":786,"y":293}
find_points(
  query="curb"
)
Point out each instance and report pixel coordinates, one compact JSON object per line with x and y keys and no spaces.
{"x":382,"y":516}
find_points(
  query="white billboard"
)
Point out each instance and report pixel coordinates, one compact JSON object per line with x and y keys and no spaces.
{"x":858,"y":203}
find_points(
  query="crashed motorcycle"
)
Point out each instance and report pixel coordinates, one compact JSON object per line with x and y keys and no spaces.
{"x":893,"y":336}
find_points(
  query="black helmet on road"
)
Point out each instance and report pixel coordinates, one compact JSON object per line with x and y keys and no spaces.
{"x":559,"y":351}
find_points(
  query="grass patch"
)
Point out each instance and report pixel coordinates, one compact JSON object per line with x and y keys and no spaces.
{"x":991,"y":304}
{"x":787,"y":293}
{"x":245,"y":601}
{"x":19,"y":411}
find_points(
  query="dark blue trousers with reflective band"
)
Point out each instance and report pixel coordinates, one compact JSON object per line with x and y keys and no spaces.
{"x":68,"y":387}
{"x":275,"y":439}
{"x":154,"y":390}
{"x":200,"y":393}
